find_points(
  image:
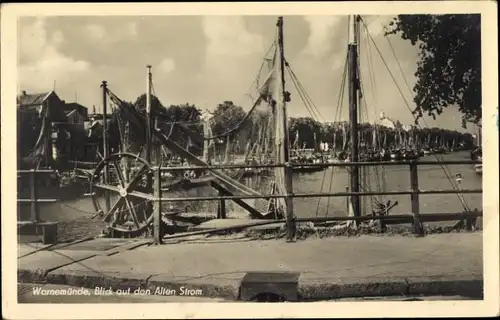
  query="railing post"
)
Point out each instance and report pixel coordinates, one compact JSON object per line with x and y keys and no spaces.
{"x":157,"y":223}
{"x":291,"y":227}
{"x":221,"y":212}
{"x":346,"y":200}
{"x":35,"y":214}
{"x":415,"y":202}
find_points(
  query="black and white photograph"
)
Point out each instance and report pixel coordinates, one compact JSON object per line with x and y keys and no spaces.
{"x":250,"y":154}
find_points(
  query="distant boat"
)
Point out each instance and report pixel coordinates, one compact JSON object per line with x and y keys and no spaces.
{"x":479,"y":167}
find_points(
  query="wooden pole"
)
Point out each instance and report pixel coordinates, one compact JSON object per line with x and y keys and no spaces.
{"x":149,"y":179}
{"x":105,"y":150}
{"x":157,"y":222}
{"x":221,"y":212}
{"x":35,"y":214}
{"x":227,"y":152}
{"x":347,"y":200}
{"x":415,"y":204}
{"x":290,"y":219}
{"x":148,"y":115}
{"x":206,"y":143}
{"x":353,"y":113}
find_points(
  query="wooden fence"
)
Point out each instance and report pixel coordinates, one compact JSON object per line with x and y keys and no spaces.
{"x":415,"y":218}
{"x":49,"y":229}
{"x":35,"y":224}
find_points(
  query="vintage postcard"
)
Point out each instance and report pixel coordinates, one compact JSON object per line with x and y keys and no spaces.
{"x":191,"y":160}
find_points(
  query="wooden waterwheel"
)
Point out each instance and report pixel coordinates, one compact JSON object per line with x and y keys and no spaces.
{"x":129,"y":209}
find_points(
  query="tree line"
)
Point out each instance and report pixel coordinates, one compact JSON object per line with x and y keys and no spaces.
{"x":310,"y":133}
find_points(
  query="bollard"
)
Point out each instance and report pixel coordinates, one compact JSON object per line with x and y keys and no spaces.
{"x":49,"y":233}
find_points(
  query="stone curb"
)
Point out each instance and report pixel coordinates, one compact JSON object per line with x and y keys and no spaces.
{"x":228,"y":287}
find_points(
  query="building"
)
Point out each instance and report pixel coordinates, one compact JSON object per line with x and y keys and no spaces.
{"x":76,"y":113}
{"x":94,"y":130}
{"x":35,"y":102}
{"x":77,"y":116}
{"x":37,"y":117}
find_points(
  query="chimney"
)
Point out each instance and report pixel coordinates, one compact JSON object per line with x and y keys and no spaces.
{"x":93,"y":109}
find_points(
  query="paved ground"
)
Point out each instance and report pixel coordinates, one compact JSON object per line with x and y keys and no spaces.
{"x":313,"y":269}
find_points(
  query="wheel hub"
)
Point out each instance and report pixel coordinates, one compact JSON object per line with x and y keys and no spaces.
{"x":123,"y":192}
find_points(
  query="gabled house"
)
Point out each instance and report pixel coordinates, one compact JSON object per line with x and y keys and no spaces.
{"x":93,"y":132}
{"x":36,"y":115}
{"x":76,"y":113}
{"x":77,"y":116}
{"x":35,"y":102}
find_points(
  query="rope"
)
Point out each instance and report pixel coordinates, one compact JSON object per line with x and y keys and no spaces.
{"x":238,"y":126}
{"x":459,"y":195}
{"x":300,"y":88}
{"x":376,"y":129}
{"x":339,"y":104}
{"x":302,"y":96}
{"x":219,"y":116}
{"x":95,"y":214}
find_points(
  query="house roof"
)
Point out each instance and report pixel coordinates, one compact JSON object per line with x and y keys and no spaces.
{"x":69,"y":112}
{"x":99,"y":116}
{"x":73,"y":106}
{"x":32,"y":99}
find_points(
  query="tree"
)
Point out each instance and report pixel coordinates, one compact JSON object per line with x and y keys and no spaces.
{"x":307,"y":128}
{"x":185,"y":113}
{"x":449,"y":69}
{"x":136,"y":135}
{"x":226,"y":117}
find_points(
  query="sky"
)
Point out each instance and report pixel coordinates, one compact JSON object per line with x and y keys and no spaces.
{"x":204,"y":60}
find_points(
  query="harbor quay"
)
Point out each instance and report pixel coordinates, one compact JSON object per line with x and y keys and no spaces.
{"x":234,"y":269}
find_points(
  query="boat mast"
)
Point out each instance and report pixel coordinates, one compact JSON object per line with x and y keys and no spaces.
{"x":353,"y":109}
{"x":282,"y":140}
{"x":105,"y":145}
{"x":148,"y":114}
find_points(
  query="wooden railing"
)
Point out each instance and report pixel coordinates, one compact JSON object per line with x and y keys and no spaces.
{"x":415,"y":217}
{"x":35,"y":223}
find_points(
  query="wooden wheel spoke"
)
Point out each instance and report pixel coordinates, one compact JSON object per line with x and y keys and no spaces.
{"x":133,"y":182}
{"x":141,"y":195}
{"x":119,"y":173}
{"x":122,"y":215}
{"x":106,"y":187}
{"x":132,"y":212}
{"x":114,"y":208}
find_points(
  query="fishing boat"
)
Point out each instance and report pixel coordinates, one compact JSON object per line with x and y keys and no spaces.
{"x":477,"y":152}
{"x":305,"y":160}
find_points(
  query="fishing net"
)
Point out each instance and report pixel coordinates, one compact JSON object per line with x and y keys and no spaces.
{"x":231,"y":134}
